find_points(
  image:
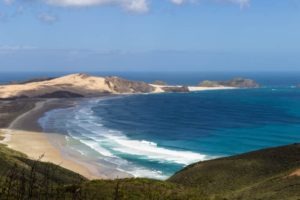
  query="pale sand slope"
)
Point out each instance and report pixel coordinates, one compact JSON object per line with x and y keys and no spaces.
{"x":295,"y":173}
{"x":34,"y":144}
{"x":76,"y":83}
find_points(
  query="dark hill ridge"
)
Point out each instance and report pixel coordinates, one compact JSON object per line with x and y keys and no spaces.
{"x":266,"y":175}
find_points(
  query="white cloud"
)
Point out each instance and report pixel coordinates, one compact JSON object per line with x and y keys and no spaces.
{"x":180,"y":2}
{"x":131,"y":5}
{"x":47,"y":18}
{"x":16,"y":47}
{"x":138,"y":6}
{"x":242,"y":3}
{"x":78,"y":3}
{"x":11,"y":49}
{"x":8,"y":2}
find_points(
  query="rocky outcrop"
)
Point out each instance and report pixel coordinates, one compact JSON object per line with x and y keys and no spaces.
{"x":208,"y":83}
{"x":176,"y":89}
{"x":120,"y":85}
{"x":242,"y":83}
{"x":159,"y":83}
{"x":236,"y":82}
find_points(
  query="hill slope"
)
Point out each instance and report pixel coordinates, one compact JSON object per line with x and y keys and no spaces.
{"x":269,"y":174}
{"x":22,"y":178}
{"x":264,"y":174}
{"x":9,"y":158}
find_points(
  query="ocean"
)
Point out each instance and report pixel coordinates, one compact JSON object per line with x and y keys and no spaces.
{"x":155,"y":135}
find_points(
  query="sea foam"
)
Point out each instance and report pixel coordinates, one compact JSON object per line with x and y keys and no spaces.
{"x":83,"y":125}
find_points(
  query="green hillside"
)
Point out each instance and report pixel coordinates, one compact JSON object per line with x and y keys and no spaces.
{"x":264,"y":174}
{"x":22,"y":178}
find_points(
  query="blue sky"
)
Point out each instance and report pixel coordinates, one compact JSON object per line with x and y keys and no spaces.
{"x":149,"y":35}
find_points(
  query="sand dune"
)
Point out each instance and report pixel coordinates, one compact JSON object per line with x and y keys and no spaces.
{"x":75,"y":83}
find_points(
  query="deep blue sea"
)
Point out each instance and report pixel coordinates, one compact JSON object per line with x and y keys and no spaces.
{"x":156,"y":135}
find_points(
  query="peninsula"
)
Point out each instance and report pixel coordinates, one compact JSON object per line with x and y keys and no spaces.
{"x":83,"y":85}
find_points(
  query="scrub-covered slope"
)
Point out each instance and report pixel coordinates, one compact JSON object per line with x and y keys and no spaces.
{"x":265,"y":174}
{"x":270,"y":174}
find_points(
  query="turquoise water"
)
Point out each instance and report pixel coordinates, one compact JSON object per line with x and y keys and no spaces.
{"x":156,"y":135}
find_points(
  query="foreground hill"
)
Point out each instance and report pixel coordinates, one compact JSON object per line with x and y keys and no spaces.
{"x":270,"y":174}
{"x":23,"y":178}
{"x":265,"y":174}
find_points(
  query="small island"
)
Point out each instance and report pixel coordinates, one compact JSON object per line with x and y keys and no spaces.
{"x":236,"y":82}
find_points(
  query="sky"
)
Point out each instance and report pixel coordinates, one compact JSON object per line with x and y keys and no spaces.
{"x":149,"y":35}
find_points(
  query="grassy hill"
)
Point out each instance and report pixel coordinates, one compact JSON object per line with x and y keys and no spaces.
{"x":264,"y":174}
{"x":22,"y":178}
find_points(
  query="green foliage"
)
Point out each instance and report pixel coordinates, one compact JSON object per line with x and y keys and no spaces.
{"x":22,"y":178}
{"x":9,"y":158}
{"x":245,"y":175}
{"x":263,"y":175}
{"x":136,"y":189}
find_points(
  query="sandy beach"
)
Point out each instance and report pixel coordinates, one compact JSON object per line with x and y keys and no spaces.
{"x":25,"y":135}
{"x":22,"y":132}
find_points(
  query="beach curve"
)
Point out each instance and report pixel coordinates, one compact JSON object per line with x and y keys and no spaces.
{"x":25,"y":126}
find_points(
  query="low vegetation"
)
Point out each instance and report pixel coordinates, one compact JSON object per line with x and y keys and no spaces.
{"x":264,"y":174}
{"x":261,"y":174}
{"x":22,"y":178}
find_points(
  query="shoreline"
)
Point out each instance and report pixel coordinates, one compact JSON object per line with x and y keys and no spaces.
{"x":25,"y":135}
